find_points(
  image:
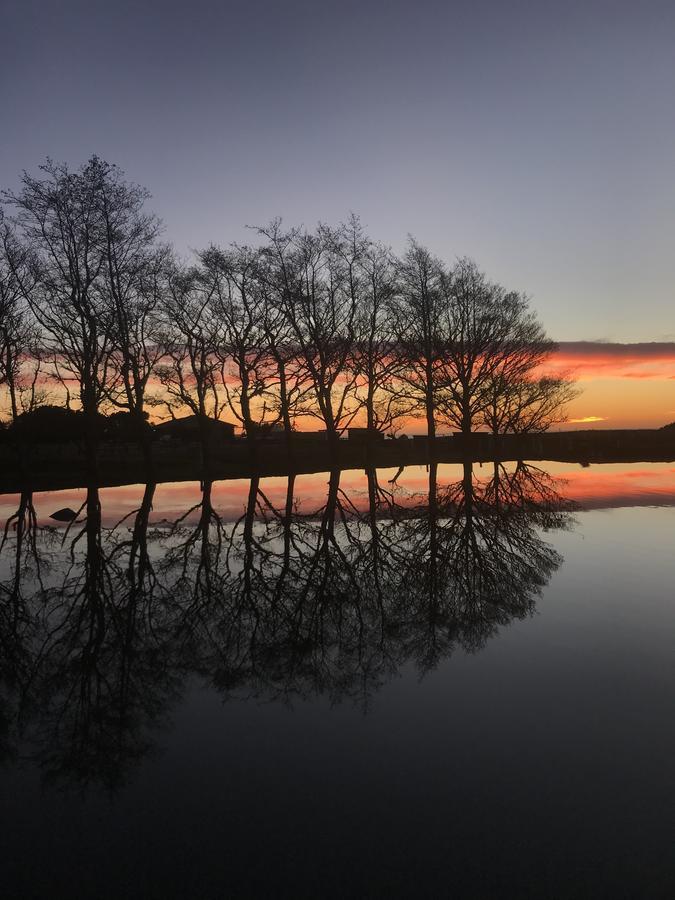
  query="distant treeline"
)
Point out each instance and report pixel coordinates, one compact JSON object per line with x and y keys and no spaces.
{"x":324,"y":323}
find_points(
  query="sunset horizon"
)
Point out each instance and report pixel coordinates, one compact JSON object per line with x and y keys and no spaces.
{"x":337,"y":449}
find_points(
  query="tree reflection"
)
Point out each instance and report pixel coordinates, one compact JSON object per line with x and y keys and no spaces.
{"x":99,"y":677}
{"x":336,"y":600}
{"x":282,"y":603}
{"x":480,"y":560}
{"x":22,"y":570}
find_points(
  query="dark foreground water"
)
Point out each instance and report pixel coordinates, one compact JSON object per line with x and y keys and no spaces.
{"x":457,"y":685}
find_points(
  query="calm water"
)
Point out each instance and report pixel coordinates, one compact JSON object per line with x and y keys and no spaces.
{"x":458,"y":684}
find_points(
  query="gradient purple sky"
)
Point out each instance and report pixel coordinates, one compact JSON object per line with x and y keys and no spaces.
{"x":537,"y":137}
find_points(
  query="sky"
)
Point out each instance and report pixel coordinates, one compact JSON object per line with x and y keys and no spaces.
{"x":536,"y":137}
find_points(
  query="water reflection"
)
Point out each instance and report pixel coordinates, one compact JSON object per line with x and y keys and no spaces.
{"x":102,"y":626}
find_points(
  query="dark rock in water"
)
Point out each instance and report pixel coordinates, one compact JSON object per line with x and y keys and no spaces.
{"x":64,"y":515}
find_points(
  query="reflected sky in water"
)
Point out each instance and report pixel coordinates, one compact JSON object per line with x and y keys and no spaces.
{"x":597,"y":486}
{"x":461,"y":684}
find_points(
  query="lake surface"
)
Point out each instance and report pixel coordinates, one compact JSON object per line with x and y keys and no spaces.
{"x":452,"y":682}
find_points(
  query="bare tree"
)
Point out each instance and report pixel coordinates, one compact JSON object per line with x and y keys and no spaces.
{"x":191,"y":334}
{"x":239,"y":306}
{"x":419,"y":318}
{"x":277,"y":283}
{"x":60,"y":214}
{"x":18,"y":334}
{"x":133,"y":284}
{"x":371,"y":279}
{"x":321,"y":311}
{"x":526,"y":405}
{"x":491,"y":340}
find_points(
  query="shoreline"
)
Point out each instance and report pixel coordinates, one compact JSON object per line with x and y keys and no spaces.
{"x":62,"y":465}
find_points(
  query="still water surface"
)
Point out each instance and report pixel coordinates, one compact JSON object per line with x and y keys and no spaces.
{"x":459,"y":684}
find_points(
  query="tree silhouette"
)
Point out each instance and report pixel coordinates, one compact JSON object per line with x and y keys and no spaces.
{"x":134,"y":289}
{"x":418,"y":314}
{"x":18,"y":337}
{"x":60,"y":215}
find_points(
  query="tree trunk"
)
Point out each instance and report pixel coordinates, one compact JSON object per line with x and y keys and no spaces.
{"x":284,"y":407}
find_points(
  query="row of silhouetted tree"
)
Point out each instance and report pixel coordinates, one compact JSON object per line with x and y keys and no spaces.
{"x":322,"y":323}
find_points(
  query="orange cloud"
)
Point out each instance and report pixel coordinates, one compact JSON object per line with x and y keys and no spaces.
{"x":585,"y":419}
{"x":587,"y":360}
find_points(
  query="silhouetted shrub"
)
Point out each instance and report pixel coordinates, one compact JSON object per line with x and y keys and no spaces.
{"x":124,"y":426}
{"x":52,"y":424}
